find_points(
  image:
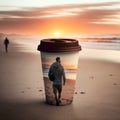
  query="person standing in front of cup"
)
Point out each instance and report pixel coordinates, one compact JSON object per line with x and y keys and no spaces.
{"x":58,"y":71}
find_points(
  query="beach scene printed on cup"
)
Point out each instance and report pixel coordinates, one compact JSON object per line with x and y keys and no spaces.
{"x":69,"y":63}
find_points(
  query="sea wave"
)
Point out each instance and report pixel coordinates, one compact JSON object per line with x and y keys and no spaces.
{"x":31,"y":43}
{"x":101,"y":44}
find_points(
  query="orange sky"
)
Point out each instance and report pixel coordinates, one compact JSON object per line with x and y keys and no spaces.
{"x":69,"y":19}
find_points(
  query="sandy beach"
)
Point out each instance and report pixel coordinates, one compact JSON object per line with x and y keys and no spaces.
{"x":22,"y":95}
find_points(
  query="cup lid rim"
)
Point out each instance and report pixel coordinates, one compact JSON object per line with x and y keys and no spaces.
{"x":59,"y":45}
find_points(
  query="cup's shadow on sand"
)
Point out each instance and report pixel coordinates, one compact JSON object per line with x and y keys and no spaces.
{"x":34,"y":110}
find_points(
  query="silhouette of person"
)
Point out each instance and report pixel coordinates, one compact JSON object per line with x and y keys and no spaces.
{"x":6,"y":42}
{"x":57,"y":69}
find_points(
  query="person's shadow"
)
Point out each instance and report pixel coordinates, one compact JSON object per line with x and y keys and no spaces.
{"x":34,"y":110}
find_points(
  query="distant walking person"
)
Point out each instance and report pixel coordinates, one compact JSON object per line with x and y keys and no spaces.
{"x":6,"y":42}
{"x":57,"y":70}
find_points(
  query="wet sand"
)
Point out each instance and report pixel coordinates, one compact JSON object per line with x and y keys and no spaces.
{"x":96,"y":96}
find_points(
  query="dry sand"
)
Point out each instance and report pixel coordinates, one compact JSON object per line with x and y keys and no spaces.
{"x":97,"y":94}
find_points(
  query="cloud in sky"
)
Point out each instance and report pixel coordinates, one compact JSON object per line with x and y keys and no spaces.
{"x":81,"y":15}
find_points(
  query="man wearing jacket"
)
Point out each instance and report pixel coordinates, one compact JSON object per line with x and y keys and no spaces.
{"x":59,"y":78}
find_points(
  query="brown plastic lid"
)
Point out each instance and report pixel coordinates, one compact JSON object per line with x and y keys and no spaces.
{"x":59,"y":45}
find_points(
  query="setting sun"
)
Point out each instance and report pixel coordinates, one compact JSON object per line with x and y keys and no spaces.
{"x":57,"y":34}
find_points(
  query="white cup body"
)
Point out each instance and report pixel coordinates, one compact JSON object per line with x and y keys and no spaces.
{"x":69,"y":61}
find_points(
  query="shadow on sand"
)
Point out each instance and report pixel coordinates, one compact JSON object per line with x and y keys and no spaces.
{"x":34,"y":110}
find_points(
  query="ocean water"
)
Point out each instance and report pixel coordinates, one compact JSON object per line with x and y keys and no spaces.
{"x":105,"y":45}
{"x":106,"y":50}
{"x":30,"y":44}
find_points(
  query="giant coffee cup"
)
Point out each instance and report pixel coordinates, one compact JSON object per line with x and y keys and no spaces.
{"x":59,"y":64}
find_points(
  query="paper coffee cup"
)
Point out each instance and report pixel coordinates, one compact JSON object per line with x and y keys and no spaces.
{"x":68,"y":52}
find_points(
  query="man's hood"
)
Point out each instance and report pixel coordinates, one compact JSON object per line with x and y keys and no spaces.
{"x":56,"y":64}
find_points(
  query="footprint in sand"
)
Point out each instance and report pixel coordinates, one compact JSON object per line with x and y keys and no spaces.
{"x":22,"y":91}
{"x":75,"y":92}
{"x":28,"y":88}
{"x":111,"y":75}
{"x":115,"y":84}
{"x":82,"y":92}
{"x":91,"y":77}
{"x":40,"y":90}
